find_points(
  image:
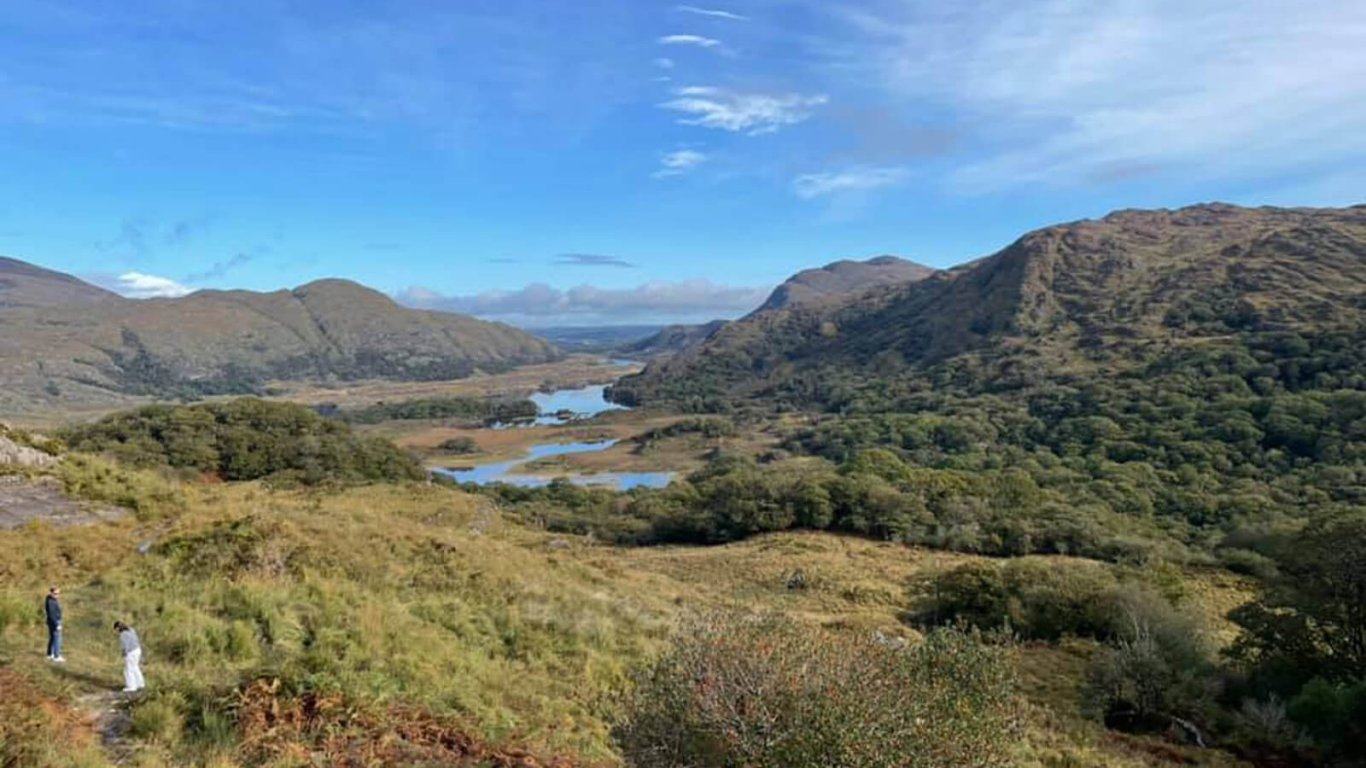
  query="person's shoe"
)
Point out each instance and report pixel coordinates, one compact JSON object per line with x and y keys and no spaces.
{"x":59,"y":659}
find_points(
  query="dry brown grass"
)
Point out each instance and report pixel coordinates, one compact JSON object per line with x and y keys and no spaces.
{"x":428,"y":598}
{"x":572,"y":372}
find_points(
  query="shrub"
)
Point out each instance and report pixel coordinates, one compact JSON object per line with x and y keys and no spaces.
{"x":1158,"y":670}
{"x":459,"y":445}
{"x":751,"y":692}
{"x":244,"y":439}
{"x":1038,"y":599}
{"x":1334,"y":714}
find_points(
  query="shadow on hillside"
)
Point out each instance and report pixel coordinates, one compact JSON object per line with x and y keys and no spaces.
{"x":110,"y":682}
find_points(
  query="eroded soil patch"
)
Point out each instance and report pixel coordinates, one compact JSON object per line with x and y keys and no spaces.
{"x":24,"y":499}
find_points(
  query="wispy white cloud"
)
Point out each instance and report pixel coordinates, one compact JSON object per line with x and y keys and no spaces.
{"x":140,"y":285}
{"x":679,"y":162}
{"x":753,"y":113}
{"x":538,"y":303}
{"x":443,"y":69}
{"x":1079,"y":91}
{"x":697,"y":40}
{"x":850,"y":180}
{"x":664,"y":62}
{"x":712,"y":12}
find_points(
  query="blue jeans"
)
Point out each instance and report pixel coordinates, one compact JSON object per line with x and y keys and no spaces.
{"x":54,"y":641}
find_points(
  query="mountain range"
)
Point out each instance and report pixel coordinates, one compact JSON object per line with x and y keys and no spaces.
{"x":66,"y":343}
{"x":840,"y":278}
{"x":1090,"y":297}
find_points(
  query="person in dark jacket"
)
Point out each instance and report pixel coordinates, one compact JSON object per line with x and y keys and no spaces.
{"x":53,"y":608}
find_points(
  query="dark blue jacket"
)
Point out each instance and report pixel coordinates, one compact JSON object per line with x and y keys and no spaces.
{"x":54,"y":611}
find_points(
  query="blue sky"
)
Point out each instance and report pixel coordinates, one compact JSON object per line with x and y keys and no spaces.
{"x":636,"y":161}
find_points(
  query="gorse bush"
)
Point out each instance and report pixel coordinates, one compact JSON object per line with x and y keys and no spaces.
{"x":767,"y":692}
{"x":244,"y":439}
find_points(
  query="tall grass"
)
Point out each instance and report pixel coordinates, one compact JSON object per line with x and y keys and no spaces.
{"x":411,"y":607}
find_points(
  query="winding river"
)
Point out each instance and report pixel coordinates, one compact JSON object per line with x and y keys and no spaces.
{"x":563,"y":406}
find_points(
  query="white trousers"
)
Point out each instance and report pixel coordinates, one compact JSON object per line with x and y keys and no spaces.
{"x":132,"y":671}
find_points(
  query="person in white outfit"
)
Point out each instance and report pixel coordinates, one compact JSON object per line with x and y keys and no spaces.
{"x":132,"y":658}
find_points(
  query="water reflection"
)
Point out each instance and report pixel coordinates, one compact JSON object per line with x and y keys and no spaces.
{"x":503,"y":471}
{"x":565,"y":405}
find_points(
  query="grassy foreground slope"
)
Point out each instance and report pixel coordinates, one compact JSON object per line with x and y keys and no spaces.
{"x":306,"y":627}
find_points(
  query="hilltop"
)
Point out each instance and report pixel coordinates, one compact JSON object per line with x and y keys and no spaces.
{"x":832,"y":282}
{"x":68,"y":344}
{"x":1085,"y":298}
{"x":844,"y":278}
{"x":671,"y":340}
{"x":26,"y":285}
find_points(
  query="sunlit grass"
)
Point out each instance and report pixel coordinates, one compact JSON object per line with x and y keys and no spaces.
{"x":426,"y":596}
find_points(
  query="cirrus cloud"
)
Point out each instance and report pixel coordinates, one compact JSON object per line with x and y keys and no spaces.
{"x":715,"y":13}
{"x":679,"y":162}
{"x":697,"y":40}
{"x":1100,"y":91}
{"x":850,"y":180}
{"x":737,"y":111}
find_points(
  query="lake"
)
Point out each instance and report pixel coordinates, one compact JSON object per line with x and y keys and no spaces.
{"x":505,"y":471}
{"x":585,"y":402}
{"x":582,"y":403}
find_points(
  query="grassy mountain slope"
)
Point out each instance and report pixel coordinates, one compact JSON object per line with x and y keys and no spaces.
{"x":671,"y":340}
{"x":840,"y":279}
{"x":1087,"y":298}
{"x":844,"y":278}
{"x":26,"y":285}
{"x":391,"y":611}
{"x":105,"y":350}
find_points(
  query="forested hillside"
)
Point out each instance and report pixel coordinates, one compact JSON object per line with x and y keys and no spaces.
{"x":1120,"y":296}
{"x":66,"y":344}
{"x":1187,"y":386}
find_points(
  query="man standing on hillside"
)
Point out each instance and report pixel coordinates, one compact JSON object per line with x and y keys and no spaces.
{"x":132,"y":658}
{"x":53,"y":608}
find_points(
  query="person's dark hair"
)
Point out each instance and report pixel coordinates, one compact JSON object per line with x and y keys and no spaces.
{"x":120,"y":626}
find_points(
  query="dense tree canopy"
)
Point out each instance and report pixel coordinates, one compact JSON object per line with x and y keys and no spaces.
{"x":244,"y":439}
